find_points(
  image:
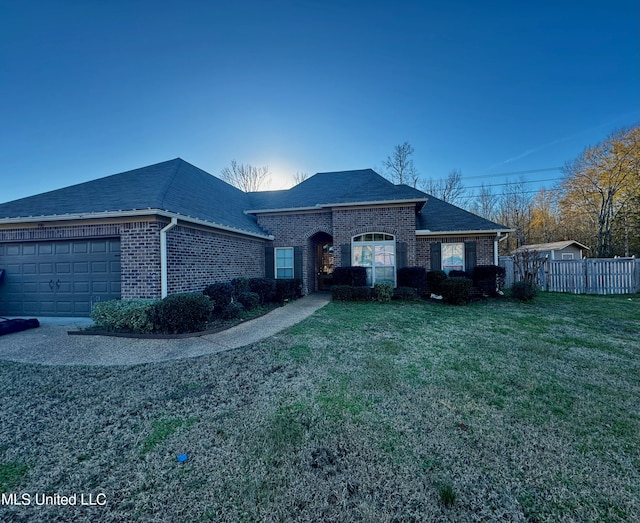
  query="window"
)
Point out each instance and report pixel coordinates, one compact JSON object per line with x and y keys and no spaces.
{"x":567,"y":256}
{"x":284,"y":262}
{"x":377,"y":252}
{"x":452,"y":257}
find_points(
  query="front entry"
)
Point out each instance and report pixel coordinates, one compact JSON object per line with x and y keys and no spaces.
{"x":324,"y":255}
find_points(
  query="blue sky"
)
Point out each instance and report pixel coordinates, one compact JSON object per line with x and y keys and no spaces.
{"x":92,"y":88}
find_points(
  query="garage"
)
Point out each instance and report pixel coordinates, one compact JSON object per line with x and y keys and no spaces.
{"x":58,"y":278}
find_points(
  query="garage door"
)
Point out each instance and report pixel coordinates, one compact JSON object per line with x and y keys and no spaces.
{"x":58,"y":278}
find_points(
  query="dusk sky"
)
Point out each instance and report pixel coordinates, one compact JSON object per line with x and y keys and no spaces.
{"x":93,"y":88}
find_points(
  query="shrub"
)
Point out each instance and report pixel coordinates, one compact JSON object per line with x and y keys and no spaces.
{"x":354,"y":276}
{"x":178,"y":313}
{"x":220,"y":295}
{"x":263,"y":287}
{"x":288,"y":289}
{"x":456,"y":290}
{"x":405,"y":293}
{"x":232,"y":311}
{"x":361,"y":293}
{"x":414,"y":277}
{"x":454,"y":273}
{"x":383,"y":291}
{"x":240,"y":285}
{"x":434,"y":281}
{"x":342,"y":292}
{"x":489,"y":278}
{"x":523,"y":291}
{"x":249,"y":300}
{"x":125,"y":315}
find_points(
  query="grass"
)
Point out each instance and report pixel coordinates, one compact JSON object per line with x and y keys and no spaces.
{"x":364,"y":412}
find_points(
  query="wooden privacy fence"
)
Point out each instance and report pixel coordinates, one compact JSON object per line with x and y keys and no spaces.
{"x":588,"y":276}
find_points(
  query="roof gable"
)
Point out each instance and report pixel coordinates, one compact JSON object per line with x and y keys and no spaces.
{"x":335,"y":188}
{"x":174,"y":186}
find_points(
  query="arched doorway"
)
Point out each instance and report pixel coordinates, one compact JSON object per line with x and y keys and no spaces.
{"x":322,"y":252}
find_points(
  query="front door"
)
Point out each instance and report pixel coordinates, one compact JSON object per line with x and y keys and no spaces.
{"x":324,"y":256}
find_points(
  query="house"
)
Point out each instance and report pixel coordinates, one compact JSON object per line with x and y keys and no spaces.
{"x":171,"y":227}
{"x":563,"y":250}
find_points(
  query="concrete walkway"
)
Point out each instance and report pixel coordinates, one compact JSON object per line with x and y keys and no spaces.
{"x":51,"y":345}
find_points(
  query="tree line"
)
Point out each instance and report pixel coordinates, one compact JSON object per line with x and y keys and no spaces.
{"x":596,"y":203}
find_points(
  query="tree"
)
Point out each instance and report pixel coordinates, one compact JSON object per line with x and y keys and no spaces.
{"x":544,"y":227}
{"x":399,"y":167}
{"x":602,"y":189}
{"x":247,"y":178}
{"x":485,"y":203}
{"x":515,"y":212}
{"x":299,"y":177}
{"x":450,"y":190}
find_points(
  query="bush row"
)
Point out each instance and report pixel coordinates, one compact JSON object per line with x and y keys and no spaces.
{"x":381,"y":292}
{"x":229,"y":299}
{"x":175,"y":314}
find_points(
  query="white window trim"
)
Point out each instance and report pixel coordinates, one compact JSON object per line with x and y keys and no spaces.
{"x":275,"y":262}
{"x":373,"y":243}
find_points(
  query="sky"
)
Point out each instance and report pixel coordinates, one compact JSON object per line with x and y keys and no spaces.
{"x":501,"y":90}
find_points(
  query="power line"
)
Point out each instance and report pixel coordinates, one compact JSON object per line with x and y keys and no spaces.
{"x":545,"y":169}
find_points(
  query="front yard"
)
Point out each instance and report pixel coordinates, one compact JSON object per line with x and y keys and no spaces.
{"x":364,"y":412}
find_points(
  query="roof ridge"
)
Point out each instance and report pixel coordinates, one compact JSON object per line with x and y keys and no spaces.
{"x":171,"y":178}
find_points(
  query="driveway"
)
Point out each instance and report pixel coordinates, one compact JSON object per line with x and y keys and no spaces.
{"x":50,"y":344}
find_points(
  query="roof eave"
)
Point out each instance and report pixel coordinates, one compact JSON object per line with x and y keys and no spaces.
{"x":332,"y":205}
{"x":132,"y":213}
{"x":428,"y":232}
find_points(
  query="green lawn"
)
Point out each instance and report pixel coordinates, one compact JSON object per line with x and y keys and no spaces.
{"x":497,"y":411}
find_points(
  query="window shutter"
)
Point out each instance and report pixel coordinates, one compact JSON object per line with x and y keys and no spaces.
{"x":469,"y":256}
{"x":269,"y":262}
{"x":297,"y":262}
{"x":401,"y":255}
{"x":436,"y":256}
{"x":345,"y":257}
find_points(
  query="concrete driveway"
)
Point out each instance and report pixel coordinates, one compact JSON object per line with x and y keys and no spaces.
{"x":50,"y":344}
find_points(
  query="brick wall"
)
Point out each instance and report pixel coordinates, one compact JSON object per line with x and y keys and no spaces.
{"x":484,"y":248}
{"x":197,"y":258}
{"x":399,"y":221}
{"x":296,"y":230}
{"x":140,"y":259}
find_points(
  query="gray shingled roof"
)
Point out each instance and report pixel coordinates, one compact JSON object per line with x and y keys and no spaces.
{"x":178,"y":187}
{"x":439,"y":216}
{"x":175,"y":186}
{"x":335,"y":188}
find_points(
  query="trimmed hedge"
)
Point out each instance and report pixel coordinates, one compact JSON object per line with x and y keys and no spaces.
{"x":354,"y":276}
{"x":456,"y":290}
{"x":249,"y":300}
{"x":240,"y":285}
{"x":342,"y":292}
{"x":232,"y":311}
{"x":134,"y":316}
{"x":434,"y":281}
{"x":414,"y":277}
{"x":405,"y":294}
{"x":289,"y":289}
{"x":263,"y":287}
{"x":179,"y":313}
{"x":523,"y":291}
{"x":383,"y":291}
{"x":361,"y":293}
{"x":220,"y":294}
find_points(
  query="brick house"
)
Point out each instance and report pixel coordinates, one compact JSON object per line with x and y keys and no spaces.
{"x":172,"y":227}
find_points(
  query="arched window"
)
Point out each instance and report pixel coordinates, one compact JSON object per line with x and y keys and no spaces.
{"x":377,"y":252}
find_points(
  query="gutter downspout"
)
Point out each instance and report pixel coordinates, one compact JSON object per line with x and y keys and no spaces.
{"x":163,"y":256}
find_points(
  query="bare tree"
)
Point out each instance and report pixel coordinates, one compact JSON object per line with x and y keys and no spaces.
{"x":485,"y":203}
{"x":528,"y":264}
{"x":399,"y":167}
{"x":515,"y":212}
{"x":300,"y":177}
{"x":450,"y":190}
{"x":247,"y":178}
